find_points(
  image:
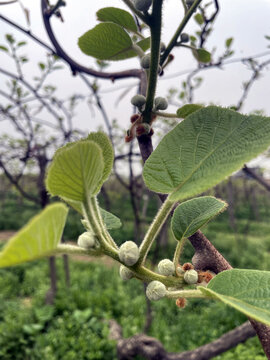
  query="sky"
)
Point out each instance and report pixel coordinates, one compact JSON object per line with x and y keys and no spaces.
{"x":247,"y":21}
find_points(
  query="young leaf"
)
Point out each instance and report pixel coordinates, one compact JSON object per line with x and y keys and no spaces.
{"x":204,"y":149}
{"x":104,"y":143}
{"x":248,"y":291}
{"x":4,"y":48}
{"x":228,"y":42}
{"x":36,"y":239}
{"x":106,"y":41}
{"x":117,"y":16}
{"x":191,"y":215}
{"x":111,"y":221}
{"x":202,"y":55}
{"x":187,"y":109}
{"x":76,"y":171}
{"x":199,"y":19}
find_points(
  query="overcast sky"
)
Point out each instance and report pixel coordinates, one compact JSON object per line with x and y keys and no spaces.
{"x":245,"y":20}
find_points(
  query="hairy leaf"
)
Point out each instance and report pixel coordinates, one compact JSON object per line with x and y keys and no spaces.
{"x":187,"y":109}
{"x":36,"y":239}
{"x":111,"y":221}
{"x":202,"y":55}
{"x":117,"y":16}
{"x":103,"y":141}
{"x":248,"y":291}
{"x":76,"y":171}
{"x":204,"y":149}
{"x":106,"y":41}
{"x":191,"y":215}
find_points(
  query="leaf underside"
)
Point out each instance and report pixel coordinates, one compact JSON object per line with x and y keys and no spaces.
{"x":248,"y":291}
{"x":117,"y":16}
{"x":109,"y":41}
{"x":36,"y":239}
{"x":203,"y":150}
{"x":191,"y":215}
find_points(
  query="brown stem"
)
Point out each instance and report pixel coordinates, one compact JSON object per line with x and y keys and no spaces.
{"x":151,"y":349}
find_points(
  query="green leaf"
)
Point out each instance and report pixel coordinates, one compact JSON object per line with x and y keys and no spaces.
{"x":104,"y":143}
{"x":202,"y":55}
{"x":199,"y":19}
{"x":111,"y":221}
{"x":76,"y":171}
{"x":248,"y":291}
{"x":4,"y":48}
{"x":187,"y":109}
{"x":36,"y":239}
{"x":228,"y":42}
{"x":117,"y":16}
{"x":203,"y":150}
{"x":191,"y":215}
{"x":106,"y":41}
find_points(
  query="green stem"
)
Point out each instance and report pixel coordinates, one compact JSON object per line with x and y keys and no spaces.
{"x":155,"y":28}
{"x":179,"y":30}
{"x":147,"y":275}
{"x":140,"y":15}
{"x":91,"y":213}
{"x":75,"y":250}
{"x":139,"y":51}
{"x":186,"y":294}
{"x":154,"y":229}
{"x":178,"y":251}
{"x":105,"y":233}
{"x":166,"y":115}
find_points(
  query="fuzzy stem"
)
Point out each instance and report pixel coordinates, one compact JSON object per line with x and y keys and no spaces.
{"x":178,"y":251}
{"x":105,"y":233}
{"x":75,"y":250}
{"x":155,"y":28}
{"x":166,"y":115}
{"x":185,"y":294}
{"x":91,"y":213}
{"x":179,"y":30}
{"x":154,"y":229}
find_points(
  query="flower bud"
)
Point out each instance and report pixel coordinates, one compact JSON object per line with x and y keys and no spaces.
{"x":86,"y":240}
{"x":181,"y":302}
{"x":155,"y":290}
{"x":138,"y":100}
{"x":180,"y":270}
{"x":129,"y":253}
{"x":125,"y":273}
{"x":145,"y":61}
{"x":161,"y":103}
{"x":166,"y":267}
{"x":142,"y":5}
{"x":143,"y":129}
{"x":134,"y":118}
{"x":189,"y":3}
{"x":184,"y":38}
{"x":162,"y":47}
{"x":187,"y":266}
{"x":191,"y":277}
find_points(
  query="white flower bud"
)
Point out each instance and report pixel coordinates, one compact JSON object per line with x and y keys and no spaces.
{"x":129,"y":253}
{"x":166,"y":267}
{"x":86,"y":240}
{"x":155,"y":290}
{"x":161,"y":103}
{"x":142,"y":5}
{"x":191,"y":277}
{"x":125,"y":273}
{"x":145,"y":61}
{"x":138,"y":100}
{"x":180,"y":270}
{"x":162,"y":47}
